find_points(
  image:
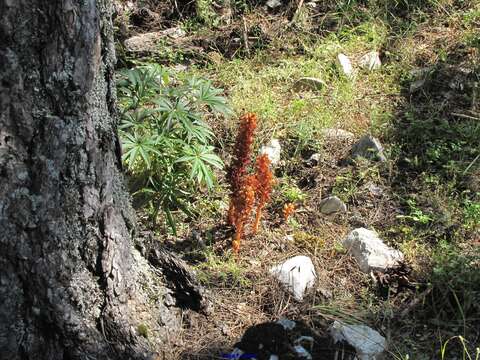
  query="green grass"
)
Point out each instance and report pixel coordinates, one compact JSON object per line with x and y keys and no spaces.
{"x":221,"y":271}
{"x":264,"y":85}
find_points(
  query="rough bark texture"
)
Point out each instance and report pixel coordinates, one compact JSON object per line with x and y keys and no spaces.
{"x":71,"y":284}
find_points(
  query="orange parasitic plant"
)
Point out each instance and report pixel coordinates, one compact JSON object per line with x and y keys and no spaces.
{"x":264,"y":179}
{"x":243,"y":205}
{"x":288,"y":210}
{"x":238,"y":169}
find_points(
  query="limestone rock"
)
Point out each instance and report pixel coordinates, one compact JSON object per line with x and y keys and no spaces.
{"x":345,"y":65}
{"x":309,"y":83}
{"x":314,"y":159}
{"x":143,"y":42}
{"x":332,"y":204}
{"x":368,"y":147}
{"x":297,"y":274}
{"x":174,"y":33}
{"x":368,"y":343}
{"x":370,"y":251}
{"x":273,"y":4}
{"x":337,"y":135}
{"x":371,"y":61}
{"x":149,"y":42}
{"x":273,"y":149}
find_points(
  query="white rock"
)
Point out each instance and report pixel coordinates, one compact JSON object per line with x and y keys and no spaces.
{"x":297,"y":274}
{"x":272,"y":4}
{"x":314,"y":159}
{"x":337,"y":135}
{"x":148,"y":42}
{"x":143,"y":42}
{"x":370,"y":251}
{"x":273,"y":150}
{"x":368,"y":343}
{"x":175,"y":32}
{"x":332,"y":204}
{"x":345,"y":64}
{"x":370,"y":61}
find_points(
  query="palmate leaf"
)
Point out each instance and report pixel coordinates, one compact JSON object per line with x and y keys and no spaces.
{"x":136,"y":118}
{"x":139,"y":149}
{"x":141,"y":83}
{"x":206,"y":94}
{"x":201,"y":158}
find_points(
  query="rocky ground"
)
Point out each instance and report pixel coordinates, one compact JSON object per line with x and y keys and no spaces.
{"x":370,"y":115}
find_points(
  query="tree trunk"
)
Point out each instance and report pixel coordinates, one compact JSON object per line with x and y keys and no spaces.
{"x":71,"y":284}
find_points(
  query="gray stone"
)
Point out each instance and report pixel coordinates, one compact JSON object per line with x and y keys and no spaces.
{"x":143,"y":42}
{"x":368,"y":343}
{"x":371,"y":61}
{"x":331,"y":205}
{"x":337,"y":135}
{"x":375,"y":190}
{"x":370,"y":251}
{"x":149,"y":42}
{"x":297,"y":274}
{"x":309,"y":83}
{"x":273,"y":4}
{"x":417,"y":85}
{"x":368,"y":147}
{"x":174,"y":33}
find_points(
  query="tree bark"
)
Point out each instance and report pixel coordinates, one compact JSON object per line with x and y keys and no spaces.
{"x":71,"y":284}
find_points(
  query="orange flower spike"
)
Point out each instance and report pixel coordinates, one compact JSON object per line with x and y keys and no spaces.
{"x":265,"y":181}
{"x":288,"y":209}
{"x":243,"y":207}
{"x":241,"y":159}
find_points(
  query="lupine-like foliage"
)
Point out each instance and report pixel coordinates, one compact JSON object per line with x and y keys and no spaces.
{"x":168,"y":148}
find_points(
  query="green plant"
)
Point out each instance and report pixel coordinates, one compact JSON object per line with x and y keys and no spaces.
{"x":222,"y":270}
{"x":292,"y":193}
{"x":415,"y":214}
{"x":471,"y":213}
{"x":456,"y":285}
{"x":167,"y":146}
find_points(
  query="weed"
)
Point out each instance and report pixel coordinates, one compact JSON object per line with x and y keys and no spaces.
{"x":292,"y":193}
{"x":471,"y":213}
{"x":415,"y":214}
{"x":456,"y":282}
{"x":222,"y":271}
